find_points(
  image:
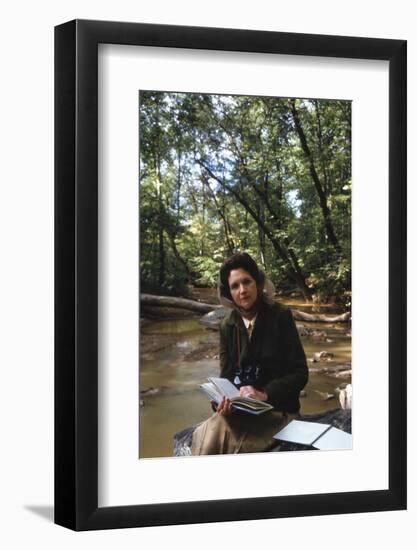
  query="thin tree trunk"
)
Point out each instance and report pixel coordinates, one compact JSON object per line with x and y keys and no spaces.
{"x":261,"y":236}
{"x":178,"y":255}
{"x":320,"y":142}
{"x":317,"y":183}
{"x":220,"y":211}
{"x":157,"y":166}
{"x":295,"y":274}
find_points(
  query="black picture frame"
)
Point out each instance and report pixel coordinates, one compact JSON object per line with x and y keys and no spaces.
{"x":76,"y":272}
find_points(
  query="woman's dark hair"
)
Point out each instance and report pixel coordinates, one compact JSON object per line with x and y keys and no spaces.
{"x":240,"y":260}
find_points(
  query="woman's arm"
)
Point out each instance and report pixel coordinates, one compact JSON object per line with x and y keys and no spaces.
{"x":285,"y":389}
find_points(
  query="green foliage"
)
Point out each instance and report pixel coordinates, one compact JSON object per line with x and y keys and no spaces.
{"x":333,"y":280}
{"x":268,"y":175}
{"x":208,"y":271}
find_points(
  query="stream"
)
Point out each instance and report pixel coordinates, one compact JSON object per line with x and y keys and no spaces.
{"x":178,"y":355}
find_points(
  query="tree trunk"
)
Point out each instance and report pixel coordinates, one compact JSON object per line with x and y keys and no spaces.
{"x":261,"y":236}
{"x":157,"y":166}
{"x":179,"y":257}
{"x":317,"y":183}
{"x":221,"y":213}
{"x":321,"y":318}
{"x":161,"y":277}
{"x":295,"y":274}
{"x":183,"y":303}
{"x":327,"y":189}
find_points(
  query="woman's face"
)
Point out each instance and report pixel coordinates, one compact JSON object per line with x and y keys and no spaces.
{"x":243,"y":289}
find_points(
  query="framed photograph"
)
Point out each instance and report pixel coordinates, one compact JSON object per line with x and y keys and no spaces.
{"x":175,"y":147}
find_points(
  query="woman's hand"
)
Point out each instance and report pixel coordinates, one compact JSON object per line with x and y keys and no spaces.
{"x":225,"y":407}
{"x":250,"y":391}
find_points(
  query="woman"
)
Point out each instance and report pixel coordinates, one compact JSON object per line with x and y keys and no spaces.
{"x":261,"y":353}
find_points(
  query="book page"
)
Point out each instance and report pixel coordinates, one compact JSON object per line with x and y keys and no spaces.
{"x":225,"y":387}
{"x":211,"y":391}
{"x":298,"y":431}
{"x":334,"y":439}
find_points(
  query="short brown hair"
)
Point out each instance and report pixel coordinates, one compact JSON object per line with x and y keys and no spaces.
{"x":240,"y":260}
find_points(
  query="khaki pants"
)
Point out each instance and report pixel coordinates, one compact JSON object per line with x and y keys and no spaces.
{"x":238,"y":433}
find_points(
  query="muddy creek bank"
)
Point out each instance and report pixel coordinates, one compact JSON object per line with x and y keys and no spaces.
{"x":177,"y":355}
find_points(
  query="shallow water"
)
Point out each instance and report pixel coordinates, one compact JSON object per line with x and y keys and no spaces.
{"x":175,"y":402}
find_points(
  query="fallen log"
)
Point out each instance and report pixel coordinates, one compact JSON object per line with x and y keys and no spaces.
{"x":170,"y":301}
{"x":321,"y":317}
{"x":193,"y":305}
{"x":214,"y":318}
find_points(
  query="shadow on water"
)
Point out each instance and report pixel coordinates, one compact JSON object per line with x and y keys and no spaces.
{"x":177,"y":356}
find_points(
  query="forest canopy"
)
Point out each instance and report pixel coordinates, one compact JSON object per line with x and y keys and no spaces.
{"x":267,"y":175}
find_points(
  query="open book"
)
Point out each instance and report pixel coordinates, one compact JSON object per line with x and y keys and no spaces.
{"x":321,"y":436}
{"x":217,"y":388}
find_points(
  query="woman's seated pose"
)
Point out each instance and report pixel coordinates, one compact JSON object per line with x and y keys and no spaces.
{"x":261,"y":353}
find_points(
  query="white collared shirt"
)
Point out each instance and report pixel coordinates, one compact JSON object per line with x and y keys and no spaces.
{"x":248,"y":322}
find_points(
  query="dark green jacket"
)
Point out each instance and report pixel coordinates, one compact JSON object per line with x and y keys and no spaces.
{"x":275,"y":346}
